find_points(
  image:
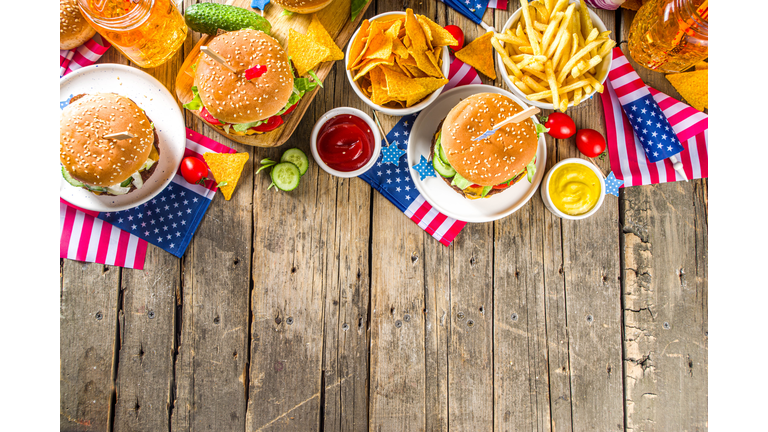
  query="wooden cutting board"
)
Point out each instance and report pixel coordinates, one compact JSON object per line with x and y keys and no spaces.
{"x":335,"y":19}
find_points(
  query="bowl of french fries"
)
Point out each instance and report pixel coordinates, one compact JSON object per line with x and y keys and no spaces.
{"x":554,"y":53}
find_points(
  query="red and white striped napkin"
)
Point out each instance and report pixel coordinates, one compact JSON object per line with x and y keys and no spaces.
{"x":82,"y":56}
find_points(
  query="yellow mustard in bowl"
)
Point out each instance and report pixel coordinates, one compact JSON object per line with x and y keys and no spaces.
{"x":574,"y":189}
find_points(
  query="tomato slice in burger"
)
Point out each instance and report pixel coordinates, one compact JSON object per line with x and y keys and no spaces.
{"x":502,"y":186}
{"x":209,"y":118}
{"x":272,"y":123}
{"x":290,"y":110}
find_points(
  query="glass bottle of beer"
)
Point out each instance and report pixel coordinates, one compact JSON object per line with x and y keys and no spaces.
{"x":669,"y":35}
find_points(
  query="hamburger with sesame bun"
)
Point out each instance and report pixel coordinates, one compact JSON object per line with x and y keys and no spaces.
{"x":479,"y":169}
{"x":106,"y":166}
{"x":256,"y":97}
{"x":74,"y":30}
{"x":302,"y":6}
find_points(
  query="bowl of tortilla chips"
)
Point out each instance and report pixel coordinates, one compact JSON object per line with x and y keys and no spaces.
{"x":398,"y":62}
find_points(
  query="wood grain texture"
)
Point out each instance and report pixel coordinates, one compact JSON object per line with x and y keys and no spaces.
{"x":145,"y":369}
{"x":89,"y":312}
{"x":335,"y":19}
{"x":665,"y":298}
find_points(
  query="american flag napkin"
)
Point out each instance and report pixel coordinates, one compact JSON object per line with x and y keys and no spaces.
{"x":393,"y":180}
{"x":497,"y":4}
{"x":84,"y":55}
{"x":628,"y":140}
{"x":169,"y":220}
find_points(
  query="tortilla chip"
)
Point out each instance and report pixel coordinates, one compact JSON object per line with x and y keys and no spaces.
{"x":380,"y":47}
{"x":383,"y":26}
{"x":427,"y":32}
{"x":399,"y":49}
{"x":403,"y":67}
{"x":414,"y":32}
{"x":702,"y":65}
{"x":426,"y":62}
{"x":226,"y":167}
{"x":358,"y":45}
{"x":379,"y":94}
{"x":479,"y":55}
{"x":439,"y":35}
{"x":693,"y":87}
{"x":368,"y":65}
{"x":394,"y":30}
{"x":427,"y":87}
{"x":321,"y":36}
{"x":305,"y":52}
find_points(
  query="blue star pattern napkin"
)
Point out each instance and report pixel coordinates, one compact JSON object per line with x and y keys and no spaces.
{"x":612,"y":184}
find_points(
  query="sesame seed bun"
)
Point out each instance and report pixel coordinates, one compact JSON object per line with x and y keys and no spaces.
{"x":74,"y":30}
{"x":302,"y":6}
{"x":493,"y":160}
{"x":95,"y":160}
{"x":230,"y":97}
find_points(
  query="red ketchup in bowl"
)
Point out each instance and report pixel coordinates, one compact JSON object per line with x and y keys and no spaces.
{"x":345,"y":143}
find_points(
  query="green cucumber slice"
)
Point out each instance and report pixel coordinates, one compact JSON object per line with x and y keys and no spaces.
{"x":127,"y":182}
{"x":441,"y":153}
{"x":296,"y":157}
{"x":285,"y":176}
{"x":444,"y":170}
{"x":94,"y":188}
{"x":71,"y":180}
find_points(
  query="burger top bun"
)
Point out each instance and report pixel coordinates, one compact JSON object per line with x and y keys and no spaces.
{"x":74,"y":30}
{"x":495,"y":159}
{"x":99,"y":161}
{"x":230,"y":97}
{"x":303,"y":6}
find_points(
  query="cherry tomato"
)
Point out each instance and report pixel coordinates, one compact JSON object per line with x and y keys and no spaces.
{"x":560,"y":125}
{"x":590,"y":142}
{"x":457,"y":34}
{"x":208,"y":117}
{"x":271,"y":124}
{"x":193,"y":169}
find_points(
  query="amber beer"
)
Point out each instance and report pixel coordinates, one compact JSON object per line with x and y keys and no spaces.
{"x":670,"y":35}
{"x":148,"y":32}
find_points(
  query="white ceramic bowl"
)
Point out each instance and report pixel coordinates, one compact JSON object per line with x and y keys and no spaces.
{"x":337,"y":112}
{"x":394,"y":111}
{"x":601,"y":72}
{"x":548,"y":200}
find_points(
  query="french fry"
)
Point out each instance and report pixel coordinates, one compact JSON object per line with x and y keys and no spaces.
{"x":533,"y":84}
{"x":586,"y":21}
{"x":559,"y":6}
{"x":594,"y":83}
{"x":505,"y":58}
{"x":510,"y":38}
{"x":587,"y":89}
{"x":564,"y":89}
{"x":549,"y":33}
{"x":577,"y":96}
{"x":552,"y":83}
{"x":519,"y":32}
{"x":606,"y":48}
{"x":529,"y":27}
{"x":576,"y":57}
{"x":564,"y":103}
{"x":549,"y":4}
{"x":521,"y":85}
{"x":541,"y":11}
{"x":540,"y":26}
{"x":535,"y":73}
{"x":526,"y":49}
{"x":564,"y":44}
{"x":563,"y":31}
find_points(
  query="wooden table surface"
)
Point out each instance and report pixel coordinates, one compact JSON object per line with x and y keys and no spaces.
{"x":327,"y":309}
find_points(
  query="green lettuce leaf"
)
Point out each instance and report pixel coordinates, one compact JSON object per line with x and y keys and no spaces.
{"x":196,"y":103}
{"x":460,"y":182}
{"x":242,"y":127}
{"x":317,"y":79}
{"x":355,"y":8}
{"x":486,"y":189}
{"x":286,"y":12}
{"x":531,"y":168}
{"x":540,"y":129}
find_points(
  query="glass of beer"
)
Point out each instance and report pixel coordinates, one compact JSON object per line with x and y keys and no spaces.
{"x":148,"y":32}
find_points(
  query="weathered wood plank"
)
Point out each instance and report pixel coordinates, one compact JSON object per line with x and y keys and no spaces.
{"x":593,"y":304}
{"x":347,"y":274}
{"x":665,"y":298}
{"x":145,"y":368}
{"x":211,"y":369}
{"x":89,"y":310}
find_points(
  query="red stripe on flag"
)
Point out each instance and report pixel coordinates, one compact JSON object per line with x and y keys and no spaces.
{"x":685,"y":158}
{"x":85,"y":238}
{"x":436,"y":222}
{"x":66,"y":232}
{"x":620,"y":71}
{"x":701,"y":145}
{"x":611,"y":133}
{"x":629,"y":144}
{"x":629,"y":88}
{"x":452,"y":232}
{"x":101,"y":252}
{"x":423,"y":209}
{"x":122,"y":248}
{"x":88,"y":212}
{"x":208,"y":143}
{"x":141,"y":255}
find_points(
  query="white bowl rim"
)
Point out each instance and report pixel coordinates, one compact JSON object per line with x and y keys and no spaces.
{"x":337,"y":112}
{"x":599,"y":24}
{"x":445,"y":67}
{"x":548,"y":199}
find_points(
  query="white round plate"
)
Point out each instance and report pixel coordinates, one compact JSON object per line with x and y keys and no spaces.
{"x":161,"y":108}
{"x":443,"y":197}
